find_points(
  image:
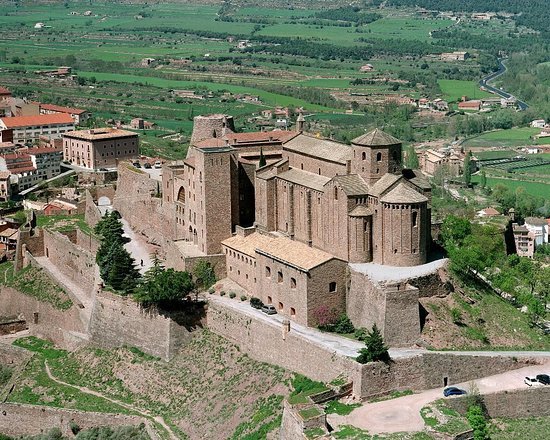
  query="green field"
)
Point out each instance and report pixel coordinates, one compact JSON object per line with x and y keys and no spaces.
{"x":537,"y":189}
{"x":506,"y":138}
{"x":454,"y":90}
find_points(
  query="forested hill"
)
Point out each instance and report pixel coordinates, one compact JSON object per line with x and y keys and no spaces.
{"x":534,"y":13}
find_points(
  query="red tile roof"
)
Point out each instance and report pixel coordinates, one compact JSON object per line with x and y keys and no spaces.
{"x":26,"y":121}
{"x":44,"y":150}
{"x":60,"y":109}
{"x":4,"y":91}
{"x":256,"y":137}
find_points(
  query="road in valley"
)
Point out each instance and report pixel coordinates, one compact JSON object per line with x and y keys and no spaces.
{"x":484,"y":84}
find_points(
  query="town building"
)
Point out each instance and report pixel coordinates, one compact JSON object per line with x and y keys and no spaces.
{"x":488,"y":212}
{"x":79,"y":116}
{"x":471,"y":105}
{"x":454,"y":56}
{"x":5,"y":187}
{"x":524,"y":241}
{"x":28,"y":129}
{"x":538,"y":226}
{"x":47,"y":161}
{"x":538,"y":123}
{"x":431,"y":161}
{"x":100,"y":147}
{"x":21,"y":168}
{"x":60,"y":207}
{"x":291,"y":226}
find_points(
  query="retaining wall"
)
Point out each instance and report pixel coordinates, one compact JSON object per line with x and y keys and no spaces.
{"x":531,"y":402}
{"x":17,"y":419}
{"x":118,"y":321}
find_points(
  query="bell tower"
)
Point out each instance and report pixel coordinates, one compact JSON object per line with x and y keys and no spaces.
{"x":375,"y":154}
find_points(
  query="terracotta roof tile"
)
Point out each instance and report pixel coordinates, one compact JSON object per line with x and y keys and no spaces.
{"x":535,"y":221}
{"x":375,"y":138}
{"x":98,"y":133}
{"x":403,"y":193}
{"x":352,"y":184}
{"x":247,"y":245}
{"x":304,"y":178}
{"x":382,"y":184}
{"x":61,"y":109}
{"x":318,"y":147}
{"x":25,"y":121}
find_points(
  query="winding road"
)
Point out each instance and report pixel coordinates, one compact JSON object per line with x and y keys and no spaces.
{"x":484,"y":84}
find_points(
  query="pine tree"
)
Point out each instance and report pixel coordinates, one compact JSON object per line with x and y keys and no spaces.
{"x":263,"y":162}
{"x":375,"y":349}
{"x":467,"y":168}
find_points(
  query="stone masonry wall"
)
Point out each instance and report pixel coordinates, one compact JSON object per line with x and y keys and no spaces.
{"x":91,"y":212}
{"x":118,"y":321}
{"x":17,"y":419}
{"x":43,"y":320}
{"x":532,"y":402}
{"x":73,"y":261}
{"x":264,"y":341}
{"x":144,"y":213}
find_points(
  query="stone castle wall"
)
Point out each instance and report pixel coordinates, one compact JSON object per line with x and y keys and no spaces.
{"x":118,"y":321}
{"x":73,"y":261}
{"x":135,"y":202}
{"x":18,"y":419}
{"x":43,"y":320}
{"x":265,"y":341}
{"x":531,"y":402}
{"x":91,"y":211}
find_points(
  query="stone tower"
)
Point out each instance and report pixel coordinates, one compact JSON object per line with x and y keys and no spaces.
{"x":211,"y":126}
{"x":300,"y":123}
{"x":375,"y":154}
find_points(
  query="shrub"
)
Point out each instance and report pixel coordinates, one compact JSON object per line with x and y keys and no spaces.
{"x":232,"y":294}
{"x":222,"y":293}
{"x":75,"y":429}
{"x":476,"y":419}
{"x":344,"y":325}
{"x":456,"y":315}
{"x":243,"y":298}
{"x":256,"y":303}
{"x":204,"y":271}
{"x":375,"y":349}
{"x":360,"y":333}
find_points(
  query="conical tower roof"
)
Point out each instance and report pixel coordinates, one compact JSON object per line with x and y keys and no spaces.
{"x":375,"y":138}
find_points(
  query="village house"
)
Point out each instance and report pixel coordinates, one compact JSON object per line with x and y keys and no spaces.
{"x":60,"y":207}
{"x":454,"y":56}
{"x":472,"y":105}
{"x":100,"y":147}
{"x":79,"y":116}
{"x":431,"y":161}
{"x":538,"y":123}
{"x":524,"y":241}
{"x":488,"y":212}
{"x":5,"y":188}
{"x":539,"y":228}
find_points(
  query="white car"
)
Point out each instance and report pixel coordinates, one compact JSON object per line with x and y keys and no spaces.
{"x":532,"y":382}
{"x":158,"y":164}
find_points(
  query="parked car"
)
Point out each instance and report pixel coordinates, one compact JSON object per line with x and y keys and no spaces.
{"x":147,"y":165}
{"x":103,"y":169}
{"x":158,"y":164}
{"x":531,"y":381}
{"x":269,"y":309}
{"x":543,"y":379}
{"x":453,"y":391}
{"x":137,"y":164}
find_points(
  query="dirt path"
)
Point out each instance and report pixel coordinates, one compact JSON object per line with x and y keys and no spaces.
{"x":403,"y":414}
{"x":143,"y":413}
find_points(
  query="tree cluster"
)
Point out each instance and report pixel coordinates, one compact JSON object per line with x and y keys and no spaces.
{"x":375,"y":349}
{"x":116,"y":266}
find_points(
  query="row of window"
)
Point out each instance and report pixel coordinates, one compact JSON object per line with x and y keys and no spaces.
{"x":281,"y":307}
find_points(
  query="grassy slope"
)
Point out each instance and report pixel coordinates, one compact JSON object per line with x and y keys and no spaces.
{"x":453,"y":90}
{"x":538,"y":189}
{"x":214,"y":390}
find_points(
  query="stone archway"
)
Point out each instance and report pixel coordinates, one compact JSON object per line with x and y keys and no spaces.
{"x":104,"y":201}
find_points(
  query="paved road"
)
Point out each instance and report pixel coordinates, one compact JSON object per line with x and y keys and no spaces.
{"x":403,"y":414}
{"x":484,"y":83}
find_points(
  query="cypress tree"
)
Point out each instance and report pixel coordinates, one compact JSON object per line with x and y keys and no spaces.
{"x":375,"y":349}
{"x":467,"y":168}
{"x":263,"y":162}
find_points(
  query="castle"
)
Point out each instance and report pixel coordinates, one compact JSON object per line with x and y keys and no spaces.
{"x":297,"y":217}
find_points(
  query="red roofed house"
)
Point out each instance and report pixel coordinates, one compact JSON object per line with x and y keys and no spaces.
{"x":21,"y":168}
{"x":488,"y":212}
{"x":27,"y":129}
{"x":60,"y":206}
{"x":79,"y":116}
{"x":4,"y":93}
{"x":474,"y":105}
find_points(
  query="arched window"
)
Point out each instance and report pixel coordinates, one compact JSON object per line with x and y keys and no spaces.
{"x":415,"y":218}
{"x":181,"y":195}
{"x":279,"y":277}
{"x":293,"y":283}
{"x":378,"y":157}
{"x":268,"y":272}
{"x":364,"y":155}
{"x":332,"y":287}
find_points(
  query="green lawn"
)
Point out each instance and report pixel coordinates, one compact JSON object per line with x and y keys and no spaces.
{"x":505,"y":138}
{"x":537,"y":189}
{"x":454,"y":90}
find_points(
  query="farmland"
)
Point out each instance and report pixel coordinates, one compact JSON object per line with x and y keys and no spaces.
{"x":507,"y":138}
{"x":196,"y":47}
